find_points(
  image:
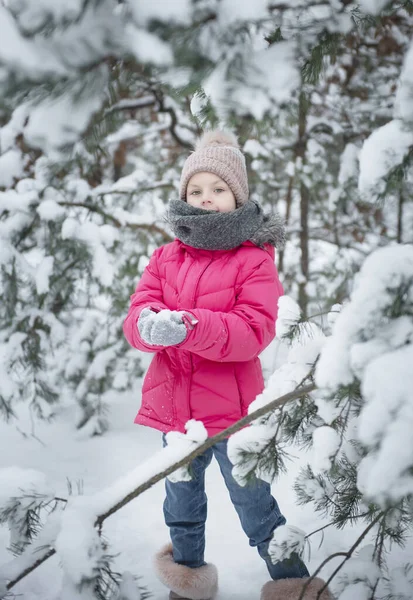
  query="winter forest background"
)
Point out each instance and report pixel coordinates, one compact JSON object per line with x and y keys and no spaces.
{"x":100,"y":103}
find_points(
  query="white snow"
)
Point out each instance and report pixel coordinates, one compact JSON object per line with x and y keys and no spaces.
{"x":49,"y":128}
{"x":290,"y":168}
{"x":97,"y":238}
{"x":128,"y":589}
{"x":301,"y":357}
{"x":263,"y":89}
{"x":196,"y":434}
{"x":20,"y":489}
{"x":197,"y":104}
{"x":11,"y":167}
{"x":163,"y":10}
{"x":23,"y":55}
{"x":3,"y":588}
{"x":251,"y":439}
{"x":78,"y":545}
{"x":40,"y":547}
{"x":348,"y":164}
{"x":101,"y":362}
{"x":382,"y":271}
{"x":43,"y":273}
{"x":365,"y":344}
{"x":288,"y":315}
{"x":15,"y":201}
{"x":369,"y":346}
{"x":148,"y":47}
{"x":14,"y":481}
{"x":326,"y":442}
{"x":356,"y":591}
{"x":333,"y":314}
{"x":108,"y":235}
{"x":386,"y":423}
{"x":373,"y":6}
{"x":13,"y":128}
{"x":286,"y":539}
{"x":255,"y":149}
{"x":326,"y":409}
{"x":50,"y":210}
{"x":383,"y":150}
{"x":359,"y":575}
{"x":79,"y":189}
{"x":30,"y":16}
{"x":120,"y":381}
{"x":69,"y":227}
{"x":103,"y":269}
{"x":400,"y":582}
{"x":137,"y":531}
{"x":231,"y":11}
{"x":403,"y":103}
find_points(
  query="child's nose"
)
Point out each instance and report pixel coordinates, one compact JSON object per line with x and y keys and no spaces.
{"x":206,"y":198}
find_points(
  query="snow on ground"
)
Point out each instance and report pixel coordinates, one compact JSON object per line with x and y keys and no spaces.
{"x":137,"y":531}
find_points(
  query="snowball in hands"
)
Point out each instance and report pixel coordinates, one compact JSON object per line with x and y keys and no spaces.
{"x":164,"y":328}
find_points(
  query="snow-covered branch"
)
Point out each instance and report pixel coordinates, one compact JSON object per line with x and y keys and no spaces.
{"x":149,"y":227}
{"x":132,"y":104}
{"x":347,"y":556}
{"x":94,"y":510}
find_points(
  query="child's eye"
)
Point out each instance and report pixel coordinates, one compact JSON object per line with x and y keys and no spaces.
{"x":194,"y":192}
{"x":219,"y":190}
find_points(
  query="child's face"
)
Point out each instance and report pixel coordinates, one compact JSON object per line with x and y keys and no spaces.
{"x":206,"y":190}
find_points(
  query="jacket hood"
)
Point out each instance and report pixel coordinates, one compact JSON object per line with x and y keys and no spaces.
{"x":271,"y":231}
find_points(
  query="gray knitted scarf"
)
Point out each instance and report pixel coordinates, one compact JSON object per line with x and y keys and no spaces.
{"x":210,"y":230}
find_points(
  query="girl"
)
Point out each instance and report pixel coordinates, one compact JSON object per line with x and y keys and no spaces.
{"x":206,"y":305}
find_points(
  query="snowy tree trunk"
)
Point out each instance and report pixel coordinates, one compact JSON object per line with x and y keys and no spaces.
{"x":304,"y":204}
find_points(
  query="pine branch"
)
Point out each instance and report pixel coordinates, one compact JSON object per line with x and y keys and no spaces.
{"x":148,"y":188}
{"x":45,"y":553}
{"x":174,"y":120}
{"x":331,"y":524}
{"x":5,"y":409}
{"x":347,"y":556}
{"x":132,"y":104}
{"x":93,"y":208}
{"x":219,"y":437}
{"x":150,"y":227}
{"x":286,"y":6}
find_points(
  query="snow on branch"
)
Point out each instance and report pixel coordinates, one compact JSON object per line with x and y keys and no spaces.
{"x":360,"y":403}
{"x":357,"y":424}
{"x":403,"y":105}
{"x":21,"y":510}
{"x":372,"y":344}
{"x":132,"y":104}
{"x":83,"y":514}
{"x":389,"y":147}
{"x":382,"y":152}
{"x":256,"y":451}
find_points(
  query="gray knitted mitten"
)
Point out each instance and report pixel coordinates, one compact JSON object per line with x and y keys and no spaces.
{"x":164,"y":328}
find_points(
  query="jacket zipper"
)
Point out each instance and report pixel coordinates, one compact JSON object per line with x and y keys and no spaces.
{"x":190,"y":353}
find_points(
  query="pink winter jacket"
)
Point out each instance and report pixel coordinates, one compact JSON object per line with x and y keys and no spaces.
{"x":215,"y":373}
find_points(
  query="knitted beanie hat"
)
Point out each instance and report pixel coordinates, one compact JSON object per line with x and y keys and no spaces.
{"x":218,"y":152}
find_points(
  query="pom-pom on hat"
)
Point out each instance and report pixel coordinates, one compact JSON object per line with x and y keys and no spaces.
{"x":218,"y":152}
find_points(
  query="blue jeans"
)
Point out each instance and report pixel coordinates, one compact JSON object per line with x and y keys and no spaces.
{"x":185,"y":511}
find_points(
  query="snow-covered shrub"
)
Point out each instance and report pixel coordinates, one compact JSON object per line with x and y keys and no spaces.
{"x":356,"y":425}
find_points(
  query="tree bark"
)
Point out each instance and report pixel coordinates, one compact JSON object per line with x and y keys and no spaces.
{"x":400,"y":217}
{"x":304,"y":205}
{"x":288,"y":201}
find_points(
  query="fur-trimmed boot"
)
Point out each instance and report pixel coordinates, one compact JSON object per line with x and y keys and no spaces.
{"x":290,"y":589}
{"x":184,"y":582}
